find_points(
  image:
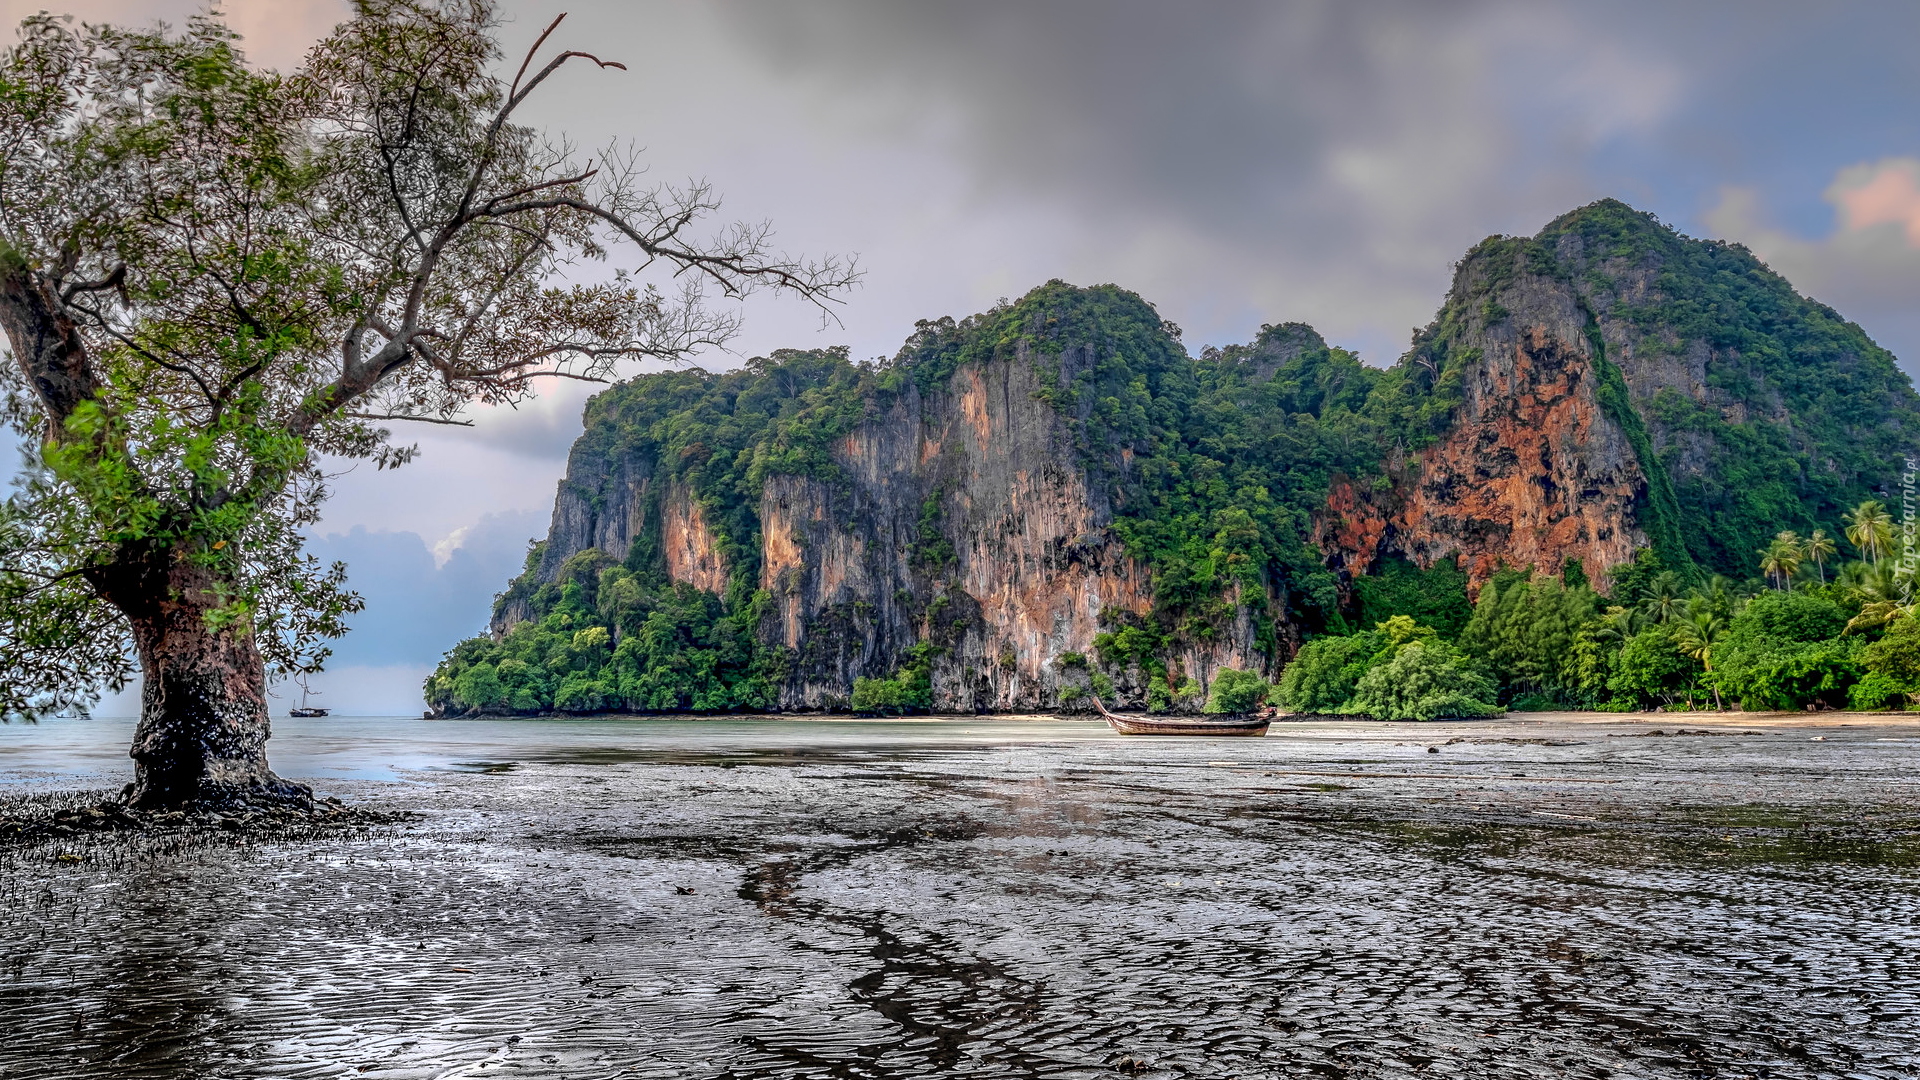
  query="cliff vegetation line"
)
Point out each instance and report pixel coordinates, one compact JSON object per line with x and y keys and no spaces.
{"x":1054,"y":499}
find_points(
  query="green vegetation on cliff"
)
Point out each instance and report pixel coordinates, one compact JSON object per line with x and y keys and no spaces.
{"x":619,"y":635}
{"x":1214,"y":470}
{"x":1802,"y":413}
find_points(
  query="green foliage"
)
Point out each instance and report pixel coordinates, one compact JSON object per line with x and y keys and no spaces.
{"x":1524,"y":629}
{"x":1632,"y":582}
{"x":1651,"y":670}
{"x":1214,"y":465}
{"x":1876,"y":692}
{"x":1425,"y":680}
{"x":1661,"y":517}
{"x":1159,"y":696}
{"x":909,"y":689}
{"x":1235,"y":691}
{"x":1892,"y":666}
{"x":1325,"y":672}
{"x":218,"y":277}
{"x":606,"y":638}
{"x":1436,"y":596}
{"x":1784,"y":651}
{"x":1897,"y":655}
{"x":1805,"y":413}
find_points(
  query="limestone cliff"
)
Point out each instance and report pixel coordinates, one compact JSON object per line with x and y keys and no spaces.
{"x":1620,"y":386}
{"x":962,"y":515}
{"x":1055,"y":496}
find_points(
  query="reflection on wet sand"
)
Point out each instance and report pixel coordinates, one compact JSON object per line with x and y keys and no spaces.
{"x":1540,"y":898}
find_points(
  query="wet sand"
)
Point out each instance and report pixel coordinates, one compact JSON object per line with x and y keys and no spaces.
{"x":1550,"y":895}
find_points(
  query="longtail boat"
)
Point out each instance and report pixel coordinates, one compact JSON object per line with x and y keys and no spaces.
{"x":1252,"y":724}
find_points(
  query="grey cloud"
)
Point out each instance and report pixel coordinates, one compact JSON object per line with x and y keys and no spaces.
{"x":415,"y":609}
{"x":1236,"y":161}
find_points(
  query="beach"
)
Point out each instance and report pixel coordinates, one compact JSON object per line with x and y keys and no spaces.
{"x":1544,"y":895}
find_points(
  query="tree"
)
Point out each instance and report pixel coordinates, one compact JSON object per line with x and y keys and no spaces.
{"x":1893,"y":668}
{"x":1322,"y":675}
{"x":1524,"y":631}
{"x":1819,"y":547}
{"x":1665,"y":597}
{"x":1883,"y":592}
{"x":1695,"y":637}
{"x":1235,"y":691}
{"x":1870,"y":529}
{"x":1649,"y":669}
{"x":1784,"y":650}
{"x":1780,"y":560}
{"x":1427,"y":679}
{"x":210,"y":275}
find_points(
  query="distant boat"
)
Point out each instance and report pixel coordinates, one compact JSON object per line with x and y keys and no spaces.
{"x":1217,"y":726}
{"x":306,"y":710}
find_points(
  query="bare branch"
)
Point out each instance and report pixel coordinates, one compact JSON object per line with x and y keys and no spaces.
{"x":404,"y":416}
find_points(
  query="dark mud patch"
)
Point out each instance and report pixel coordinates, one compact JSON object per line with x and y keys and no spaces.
{"x":1747,"y":836}
{"x":1662,"y":733}
{"x":72,"y":817}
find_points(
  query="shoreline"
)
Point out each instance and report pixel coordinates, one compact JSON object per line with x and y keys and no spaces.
{"x":1830,"y":718}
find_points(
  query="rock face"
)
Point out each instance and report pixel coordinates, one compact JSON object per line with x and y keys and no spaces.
{"x":962,"y":517}
{"x":1533,"y":470}
{"x":1621,"y":386}
{"x":1603,"y":388}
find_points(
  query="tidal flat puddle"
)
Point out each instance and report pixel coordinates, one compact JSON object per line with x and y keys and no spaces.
{"x":759,"y":898}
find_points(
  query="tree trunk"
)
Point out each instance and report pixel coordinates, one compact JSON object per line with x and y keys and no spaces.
{"x":202,"y":739}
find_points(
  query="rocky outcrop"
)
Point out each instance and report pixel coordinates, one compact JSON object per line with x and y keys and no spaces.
{"x":965,"y":519}
{"x":1605,"y":387}
{"x":1533,"y":469}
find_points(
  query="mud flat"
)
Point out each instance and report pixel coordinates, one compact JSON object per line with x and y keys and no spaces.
{"x":1550,"y":895}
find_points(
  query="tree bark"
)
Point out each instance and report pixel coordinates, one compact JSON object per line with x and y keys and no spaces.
{"x":202,"y":737}
{"x":46,"y":344}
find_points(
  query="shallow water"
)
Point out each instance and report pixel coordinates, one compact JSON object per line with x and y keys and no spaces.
{"x":1540,"y":898}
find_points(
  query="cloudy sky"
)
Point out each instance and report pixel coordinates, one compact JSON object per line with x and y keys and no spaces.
{"x":1236,"y":163}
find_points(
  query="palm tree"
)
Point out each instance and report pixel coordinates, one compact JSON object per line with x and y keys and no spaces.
{"x":1780,"y":560}
{"x":1717,"y":596}
{"x":1870,"y":528}
{"x":1883,"y":593}
{"x":1663,"y":600}
{"x":1819,"y":547}
{"x":1695,"y":636}
{"x":1618,"y":625}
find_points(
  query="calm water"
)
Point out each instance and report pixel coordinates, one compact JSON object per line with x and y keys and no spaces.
{"x":778,"y":898}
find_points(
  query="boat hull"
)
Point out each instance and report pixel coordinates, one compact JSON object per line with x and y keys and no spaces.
{"x":1153,"y":725}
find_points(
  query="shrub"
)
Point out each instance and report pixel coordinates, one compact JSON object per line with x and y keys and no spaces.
{"x":1235,"y":691}
{"x":1159,"y":696}
{"x":1650,"y":670}
{"x":1876,"y":692}
{"x":1897,"y":655}
{"x":1323,"y":675}
{"x":1425,"y":680}
{"x":910,"y":689}
{"x":582,"y":693}
{"x":1784,"y":651}
{"x":879,"y":695}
